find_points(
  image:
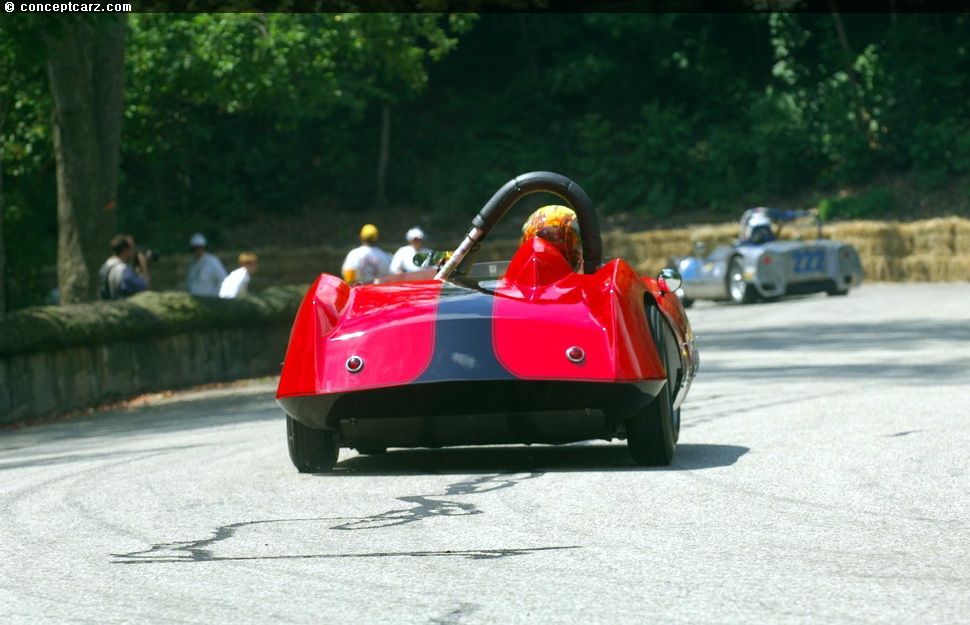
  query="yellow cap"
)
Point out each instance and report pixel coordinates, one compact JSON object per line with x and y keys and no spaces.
{"x":368,"y":233}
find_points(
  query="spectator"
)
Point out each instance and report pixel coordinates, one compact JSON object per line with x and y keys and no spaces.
{"x":206,"y":273}
{"x":367,"y":262}
{"x":403,"y":260}
{"x":236,"y":283}
{"x":117,"y":278}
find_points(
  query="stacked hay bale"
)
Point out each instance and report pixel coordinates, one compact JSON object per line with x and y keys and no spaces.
{"x":648,"y":251}
{"x":934,"y":256}
{"x":881,"y":247}
{"x":931,"y":250}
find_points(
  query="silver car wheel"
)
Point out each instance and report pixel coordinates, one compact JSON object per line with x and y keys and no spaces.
{"x":737,"y":287}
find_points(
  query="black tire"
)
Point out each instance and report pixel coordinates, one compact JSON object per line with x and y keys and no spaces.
{"x":738,"y":289}
{"x":651,"y":435}
{"x":312,"y":450}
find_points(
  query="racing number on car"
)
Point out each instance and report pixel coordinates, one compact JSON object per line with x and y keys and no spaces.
{"x":808,"y":261}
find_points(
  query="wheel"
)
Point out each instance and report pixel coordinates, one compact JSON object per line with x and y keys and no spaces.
{"x":739,"y":290}
{"x":312,"y":450}
{"x":651,"y":435}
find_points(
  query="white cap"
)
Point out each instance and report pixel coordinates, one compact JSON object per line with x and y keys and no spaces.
{"x":197,"y":240}
{"x":414,"y":233}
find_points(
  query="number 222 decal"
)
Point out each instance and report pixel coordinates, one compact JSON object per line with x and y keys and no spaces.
{"x":808,"y":260}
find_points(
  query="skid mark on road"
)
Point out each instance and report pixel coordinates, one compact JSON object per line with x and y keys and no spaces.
{"x":470,"y":554}
{"x":424,"y":507}
{"x":427,"y":506}
{"x":454,"y":617}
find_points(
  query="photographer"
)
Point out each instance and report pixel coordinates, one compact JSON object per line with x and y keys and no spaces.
{"x":117,"y":278}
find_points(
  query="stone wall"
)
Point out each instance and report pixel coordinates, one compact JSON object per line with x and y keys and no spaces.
{"x":52,"y":382}
{"x":57,"y":360}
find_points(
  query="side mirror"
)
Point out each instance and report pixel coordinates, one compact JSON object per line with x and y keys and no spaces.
{"x":430,"y":258}
{"x":422,"y":259}
{"x":669,"y":280}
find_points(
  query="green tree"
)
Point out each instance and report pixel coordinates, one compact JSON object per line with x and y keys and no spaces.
{"x":85,"y":67}
{"x":235,"y":109}
{"x":24,"y":137}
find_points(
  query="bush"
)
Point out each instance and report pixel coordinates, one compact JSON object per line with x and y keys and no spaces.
{"x":870,"y":205}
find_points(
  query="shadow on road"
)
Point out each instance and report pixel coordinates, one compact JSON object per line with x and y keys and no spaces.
{"x":170,"y":416}
{"x":906,"y":339}
{"x":514,"y":459}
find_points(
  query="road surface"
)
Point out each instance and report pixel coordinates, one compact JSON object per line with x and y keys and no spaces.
{"x":821,"y":477}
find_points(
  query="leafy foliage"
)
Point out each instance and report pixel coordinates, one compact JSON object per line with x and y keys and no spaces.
{"x":232,"y":115}
{"x":869,"y":205}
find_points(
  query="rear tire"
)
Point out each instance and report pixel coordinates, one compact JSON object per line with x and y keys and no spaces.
{"x":651,"y":434}
{"x":312,"y":450}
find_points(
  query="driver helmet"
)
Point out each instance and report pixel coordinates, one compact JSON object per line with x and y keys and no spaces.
{"x":759,"y":229}
{"x":557,"y":225}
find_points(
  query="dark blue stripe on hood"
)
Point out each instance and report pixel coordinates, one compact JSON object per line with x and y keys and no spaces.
{"x":463,"y":347}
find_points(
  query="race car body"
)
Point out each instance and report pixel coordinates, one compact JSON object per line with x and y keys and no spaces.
{"x":520,"y":351}
{"x":748,"y":271}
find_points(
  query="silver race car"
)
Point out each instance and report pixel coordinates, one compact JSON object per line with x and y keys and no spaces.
{"x":761,"y":266}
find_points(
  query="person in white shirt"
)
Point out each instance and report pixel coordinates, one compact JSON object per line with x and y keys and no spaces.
{"x":236,"y":283}
{"x":367,"y":262}
{"x":403,"y":260}
{"x":206,"y":273}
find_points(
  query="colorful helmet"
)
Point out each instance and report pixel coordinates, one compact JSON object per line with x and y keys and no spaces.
{"x":557,"y":225}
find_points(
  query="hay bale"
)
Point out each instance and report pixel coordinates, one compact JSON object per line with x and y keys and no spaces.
{"x":651,"y":243}
{"x":935,"y":268}
{"x":714,"y":235}
{"x":930,"y":236}
{"x":871,"y":238}
{"x":961,"y":237}
{"x":881,"y":269}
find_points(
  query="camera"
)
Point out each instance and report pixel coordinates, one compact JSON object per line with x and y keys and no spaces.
{"x":151,"y":256}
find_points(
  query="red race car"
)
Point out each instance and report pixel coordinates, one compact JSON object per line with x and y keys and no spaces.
{"x":531,"y":350}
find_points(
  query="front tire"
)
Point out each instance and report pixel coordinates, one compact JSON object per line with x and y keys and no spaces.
{"x":738,"y":288}
{"x":312,"y":450}
{"x":651,"y":434}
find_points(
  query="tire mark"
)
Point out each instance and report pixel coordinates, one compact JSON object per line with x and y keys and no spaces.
{"x":424,"y":507}
{"x":454,"y":617}
{"x":470,"y":554}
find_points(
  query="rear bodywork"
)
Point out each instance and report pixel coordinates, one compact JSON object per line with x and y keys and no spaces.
{"x":772,"y":270}
{"x":483,"y":360}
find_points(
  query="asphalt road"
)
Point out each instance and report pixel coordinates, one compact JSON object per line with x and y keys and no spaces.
{"x":822,"y":477}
